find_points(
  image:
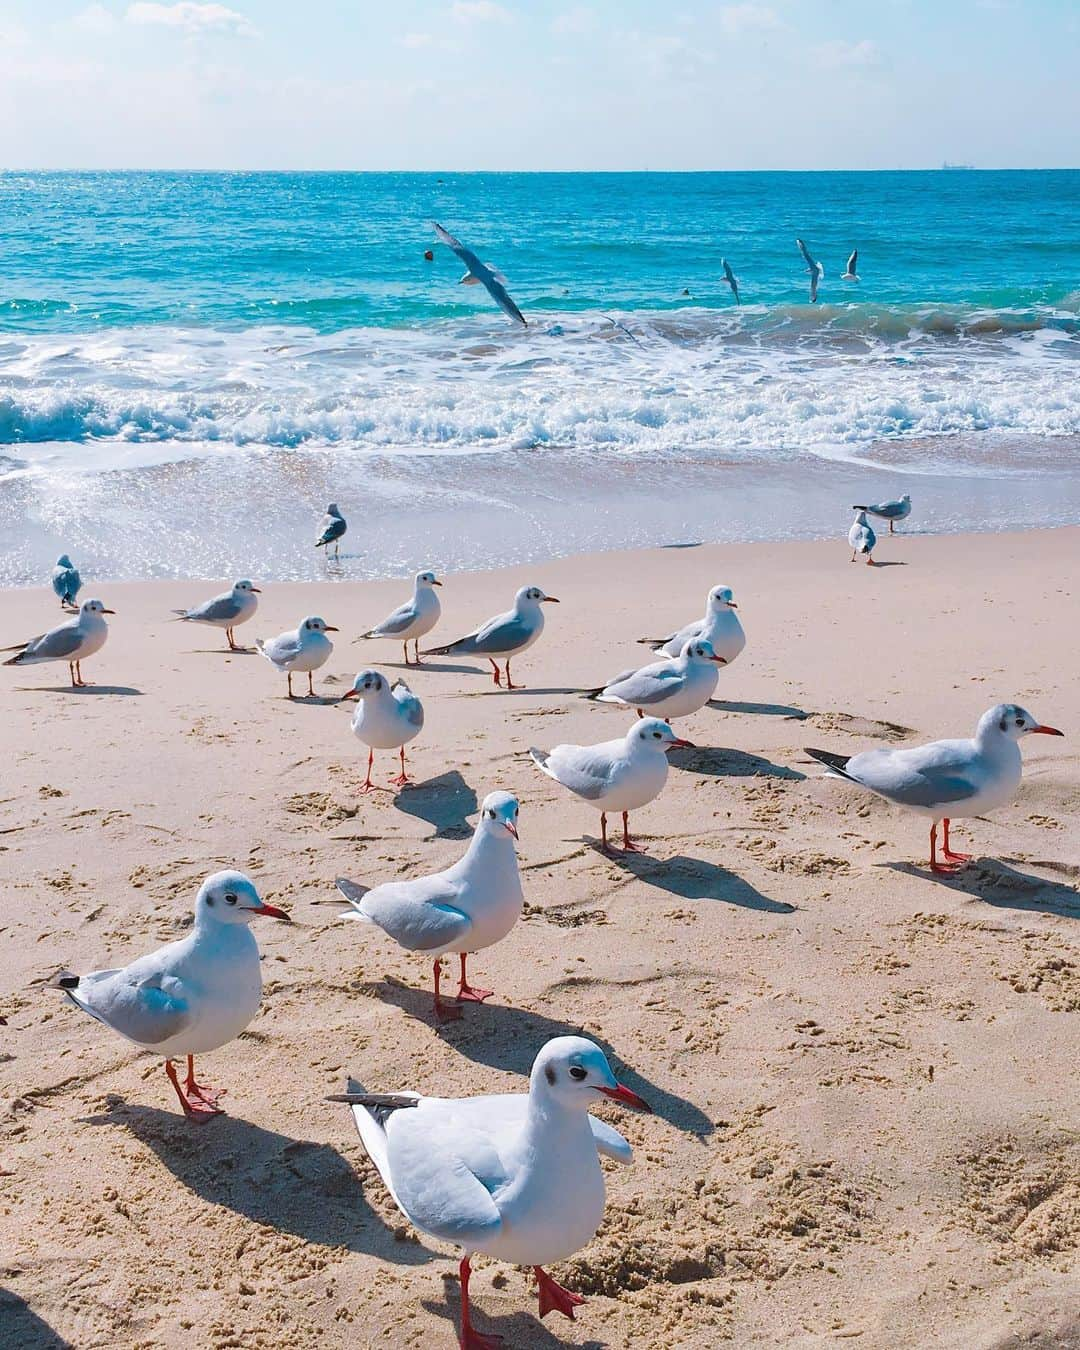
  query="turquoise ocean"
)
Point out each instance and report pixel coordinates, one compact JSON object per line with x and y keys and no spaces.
{"x":192,"y":365}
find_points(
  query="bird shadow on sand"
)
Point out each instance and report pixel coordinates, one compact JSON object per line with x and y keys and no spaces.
{"x":445,"y":803}
{"x":889,"y":562}
{"x":723,"y":763}
{"x":223,"y":651}
{"x":519,"y":1329}
{"x":695,"y":879}
{"x":439,"y":667}
{"x":293,"y":1185}
{"x":695,"y":543}
{"x":86,"y":690}
{"x":508,"y":1039}
{"x":996,"y":883}
{"x":312,"y":700}
{"x":24,"y":1328}
{"x":520,"y":689}
{"x":757,"y":709}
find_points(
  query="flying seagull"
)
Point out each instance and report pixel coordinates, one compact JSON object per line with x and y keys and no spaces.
{"x":729,"y":278}
{"x":850,"y":273}
{"x":814,"y":268}
{"x":494,"y":282}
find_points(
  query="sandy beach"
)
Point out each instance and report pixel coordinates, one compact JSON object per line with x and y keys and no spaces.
{"x":867,"y":1122}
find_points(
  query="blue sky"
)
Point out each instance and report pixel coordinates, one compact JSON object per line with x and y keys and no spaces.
{"x":500,"y":84}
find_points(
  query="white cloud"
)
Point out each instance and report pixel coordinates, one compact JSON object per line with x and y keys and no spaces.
{"x":840,"y":53}
{"x":479,"y":11}
{"x":94,"y":19}
{"x":748,"y":18}
{"x":574,"y":23}
{"x":190,"y":16}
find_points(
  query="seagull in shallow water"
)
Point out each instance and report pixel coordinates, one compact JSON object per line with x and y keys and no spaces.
{"x":729,"y":279}
{"x":850,"y":273}
{"x":333,"y":527}
{"x":226,"y":610}
{"x":414,"y":619}
{"x":892,"y":511}
{"x":72,"y":642}
{"x":946,"y":779}
{"x":506,"y":635}
{"x":190,"y":997}
{"x":469,"y":906}
{"x":816,"y":270}
{"x":493,"y":282}
{"x":512,"y":1176}
{"x":66,"y":581}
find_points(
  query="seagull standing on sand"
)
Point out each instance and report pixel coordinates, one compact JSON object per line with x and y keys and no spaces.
{"x":816,"y":270}
{"x":946,"y":780}
{"x":414,"y":619}
{"x":66,"y":581}
{"x":192,"y":996}
{"x":674,"y":687}
{"x":514,"y":1177}
{"x":890,"y":511}
{"x":729,"y":279}
{"x":850,"y":273}
{"x":72,"y":642}
{"x":506,"y":635}
{"x":720,"y":626}
{"x":387,"y":717}
{"x":621,"y":775}
{"x":226,"y":610}
{"x":306,"y":648}
{"x":333,"y":529}
{"x":472,"y":905}
{"x":862,"y":538}
{"x":483,"y":273}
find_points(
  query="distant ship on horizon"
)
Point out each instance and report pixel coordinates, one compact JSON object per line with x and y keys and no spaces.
{"x":947,"y":165}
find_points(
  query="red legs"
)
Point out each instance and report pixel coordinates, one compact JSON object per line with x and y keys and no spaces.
{"x":509,"y":683}
{"x":496,"y":676}
{"x":640,"y":712}
{"x":232,"y":641}
{"x":604,"y":845}
{"x":553,"y":1297}
{"x":369,"y":786}
{"x":869,"y":560}
{"x":853,"y":556}
{"x":288,"y":676}
{"x":950,"y":863}
{"x":466,"y":993}
{"x":402,"y":779}
{"x":199,"y":1103}
{"x":416,"y":646}
{"x":946,"y":851}
{"x":468,"y":1339}
{"x":444,"y":1012}
{"x":628,"y":844}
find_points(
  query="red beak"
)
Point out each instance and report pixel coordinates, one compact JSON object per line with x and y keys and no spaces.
{"x":271,"y":911}
{"x":512,"y":828}
{"x":255,"y":590}
{"x":1048,"y":731}
{"x":628,"y":1098}
{"x":551,"y":600}
{"x":680,"y":744}
{"x":353,"y":693}
{"x":719,"y":660}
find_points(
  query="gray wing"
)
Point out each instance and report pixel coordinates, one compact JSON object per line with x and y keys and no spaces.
{"x":814,"y":278}
{"x":925,"y":776}
{"x":142,"y":1004}
{"x":584,"y":769}
{"x":852,"y":262}
{"x":444,"y":1171}
{"x":420,"y":915}
{"x":409,"y":703}
{"x":281,"y":649}
{"x":648,"y":686}
{"x":504,"y":633}
{"x":403,"y":617}
{"x":214,"y":611}
{"x":729,"y":277}
{"x":483,"y":274}
{"x":333,"y":528}
{"x":58,"y":643}
{"x":811,"y":265}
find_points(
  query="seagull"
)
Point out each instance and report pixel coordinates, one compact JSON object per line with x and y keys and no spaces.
{"x":814,"y":268}
{"x":861,"y":537}
{"x":729,"y":279}
{"x":512,"y":1176}
{"x":191,"y":996}
{"x":66,"y":581}
{"x":720,"y":626}
{"x":387,"y":717}
{"x":226,"y":610}
{"x":506,"y":635}
{"x":620,"y":775}
{"x":674,"y":687}
{"x":852,"y":263}
{"x":890,"y":511}
{"x":472,"y":905}
{"x":414,"y":619}
{"x":493,"y":282}
{"x":72,"y":641}
{"x":947,"y":779}
{"x":333,"y":528}
{"x":306,"y":648}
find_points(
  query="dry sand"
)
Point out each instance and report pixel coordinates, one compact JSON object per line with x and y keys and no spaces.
{"x":865,"y":1078}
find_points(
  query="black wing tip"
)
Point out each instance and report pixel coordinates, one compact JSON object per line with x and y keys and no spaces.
{"x":379,"y":1101}
{"x":831,"y":760}
{"x":352,"y":890}
{"x":593,"y":694}
{"x":64,"y":979}
{"x":539,"y":756}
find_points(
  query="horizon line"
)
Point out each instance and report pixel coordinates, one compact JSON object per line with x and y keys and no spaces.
{"x":946,"y":167}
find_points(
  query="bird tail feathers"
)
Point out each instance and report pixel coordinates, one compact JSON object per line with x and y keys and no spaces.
{"x":836,"y":764}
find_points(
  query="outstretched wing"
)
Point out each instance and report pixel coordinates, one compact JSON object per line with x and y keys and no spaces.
{"x":482,"y":273}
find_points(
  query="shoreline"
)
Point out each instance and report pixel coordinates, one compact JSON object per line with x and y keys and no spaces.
{"x":865,"y":1091}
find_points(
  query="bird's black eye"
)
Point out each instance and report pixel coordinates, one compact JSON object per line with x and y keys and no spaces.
{"x":578,"y":1073}
{"x":230,"y":899}
{"x":656,"y":735}
{"x":491,"y":812}
{"x":1019,"y":721}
